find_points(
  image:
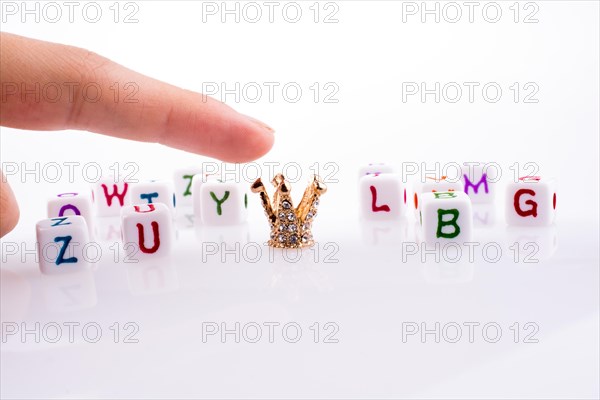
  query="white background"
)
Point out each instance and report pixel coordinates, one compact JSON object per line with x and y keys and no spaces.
{"x":369,"y":293}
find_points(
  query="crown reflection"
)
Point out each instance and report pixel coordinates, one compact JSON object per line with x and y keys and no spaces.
{"x":290,"y":228}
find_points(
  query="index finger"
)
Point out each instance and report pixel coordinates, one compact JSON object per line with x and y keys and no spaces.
{"x":162,"y":113}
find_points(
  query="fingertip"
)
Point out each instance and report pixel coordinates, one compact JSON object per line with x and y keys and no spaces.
{"x":254,"y":141}
{"x":236,"y":137}
{"x":9,"y":209}
{"x":218,"y":131}
{"x":159,"y":112}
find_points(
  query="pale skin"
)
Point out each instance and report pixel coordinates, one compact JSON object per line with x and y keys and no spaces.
{"x":164,"y":113}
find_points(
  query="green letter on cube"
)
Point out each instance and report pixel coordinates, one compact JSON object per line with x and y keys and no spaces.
{"x":451,"y":222}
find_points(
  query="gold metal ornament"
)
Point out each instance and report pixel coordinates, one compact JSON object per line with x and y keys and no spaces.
{"x":290,"y":228}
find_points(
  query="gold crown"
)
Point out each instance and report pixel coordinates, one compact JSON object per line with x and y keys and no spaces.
{"x":290,"y":228}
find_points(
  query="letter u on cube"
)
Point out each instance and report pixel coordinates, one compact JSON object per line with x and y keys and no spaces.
{"x":148,"y":228}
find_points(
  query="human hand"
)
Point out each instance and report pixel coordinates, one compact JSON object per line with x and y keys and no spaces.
{"x":163,"y":113}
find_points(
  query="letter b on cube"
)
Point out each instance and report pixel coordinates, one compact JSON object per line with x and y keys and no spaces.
{"x":531,"y":201}
{"x":446,"y":217}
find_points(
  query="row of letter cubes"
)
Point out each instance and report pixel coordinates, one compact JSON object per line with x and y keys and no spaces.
{"x":146,"y":230}
{"x":444,"y":209}
{"x":146,"y":210}
{"x":215,"y":202}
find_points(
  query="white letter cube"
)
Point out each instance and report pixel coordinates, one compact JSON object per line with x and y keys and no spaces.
{"x":375,"y":168}
{"x":531,"y":201}
{"x":183,"y":179}
{"x":110,"y":195}
{"x":446,"y":217}
{"x":382,"y":196}
{"x":61,"y":244}
{"x":72,"y":203}
{"x":221,"y":202}
{"x":151,"y":192}
{"x":147,"y":230}
{"x":479,"y":182}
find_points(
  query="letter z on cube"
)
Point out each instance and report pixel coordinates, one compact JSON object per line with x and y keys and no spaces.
{"x":60,"y":244}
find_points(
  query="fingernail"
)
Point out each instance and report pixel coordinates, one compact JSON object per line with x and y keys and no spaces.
{"x":260,"y":123}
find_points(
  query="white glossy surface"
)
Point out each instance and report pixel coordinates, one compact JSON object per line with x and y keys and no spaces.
{"x":372,"y":280}
{"x":370,"y":289}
